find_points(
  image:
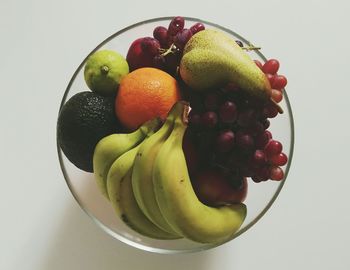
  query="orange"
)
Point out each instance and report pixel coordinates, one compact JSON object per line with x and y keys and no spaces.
{"x":145,"y":94}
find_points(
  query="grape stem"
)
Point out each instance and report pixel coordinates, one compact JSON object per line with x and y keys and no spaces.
{"x":165,"y":52}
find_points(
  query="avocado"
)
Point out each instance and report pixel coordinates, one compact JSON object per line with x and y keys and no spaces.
{"x":83,"y":120}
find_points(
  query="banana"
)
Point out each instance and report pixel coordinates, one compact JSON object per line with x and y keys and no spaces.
{"x":121,"y":196}
{"x":177,"y":200}
{"x":142,"y":172}
{"x":109,"y":148}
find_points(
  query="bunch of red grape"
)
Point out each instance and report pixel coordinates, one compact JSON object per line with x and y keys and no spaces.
{"x":278,"y":82}
{"x":164,"y":49}
{"x":230,"y":131}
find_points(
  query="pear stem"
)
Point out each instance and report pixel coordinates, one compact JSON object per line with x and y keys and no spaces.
{"x":251,"y":47}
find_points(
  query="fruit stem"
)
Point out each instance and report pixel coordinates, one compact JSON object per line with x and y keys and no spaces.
{"x":104,"y":69}
{"x":251,"y":47}
{"x":165,"y":52}
{"x":185,"y":113}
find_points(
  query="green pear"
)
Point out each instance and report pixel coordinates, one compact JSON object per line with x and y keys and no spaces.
{"x":211,"y":59}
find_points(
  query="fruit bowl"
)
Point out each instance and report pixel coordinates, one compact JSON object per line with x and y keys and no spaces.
{"x":82,"y":184}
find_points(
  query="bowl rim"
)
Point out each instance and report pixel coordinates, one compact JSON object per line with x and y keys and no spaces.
{"x":161,"y":250}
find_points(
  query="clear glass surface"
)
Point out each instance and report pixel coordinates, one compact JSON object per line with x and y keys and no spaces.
{"x":82,"y":185}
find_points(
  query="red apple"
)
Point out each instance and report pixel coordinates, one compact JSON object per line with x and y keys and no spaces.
{"x":142,"y":52}
{"x":213,"y":188}
{"x":236,"y":195}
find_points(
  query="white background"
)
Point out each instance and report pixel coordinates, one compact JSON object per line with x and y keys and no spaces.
{"x":41,"y":45}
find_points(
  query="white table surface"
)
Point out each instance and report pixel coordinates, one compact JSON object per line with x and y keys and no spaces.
{"x":41,"y":45}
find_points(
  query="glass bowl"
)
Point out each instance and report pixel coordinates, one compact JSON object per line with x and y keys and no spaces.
{"x":82,"y":185}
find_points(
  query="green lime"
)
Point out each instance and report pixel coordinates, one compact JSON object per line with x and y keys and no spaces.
{"x":104,"y":70}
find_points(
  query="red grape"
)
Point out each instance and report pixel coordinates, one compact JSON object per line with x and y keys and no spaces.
{"x":272,"y":148}
{"x":246,"y":117}
{"x":172,"y":61}
{"x":233,"y":161}
{"x":228,"y":112}
{"x":266,"y":123}
{"x":279,"y":82}
{"x":224,"y":141}
{"x":194,"y":118}
{"x":170,"y":41}
{"x":209,"y":119}
{"x":176,"y":25}
{"x":276,"y":95}
{"x":257,"y":179}
{"x":270,"y":77}
{"x":161,"y":34}
{"x":255,"y":128}
{"x":279,"y":159}
{"x":270,"y":111}
{"x":159,"y":61}
{"x":182,"y":37}
{"x":246,"y":170}
{"x":263,"y":139}
{"x":206,"y":141}
{"x":259,"y":157}
{"x":263,"y":173}
{"x":211,"y":101}
{"x":271,"y":66}
{"x":276,"y":173}
{"x":190,"y":152}
{"x":197,"y":28}
{"x":245,"y":141}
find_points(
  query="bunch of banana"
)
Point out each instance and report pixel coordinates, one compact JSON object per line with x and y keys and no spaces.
{"x":142,"y":181}
{"x":119,"y":188}
{"x":113,"y":160}
{"x":145,"y":177}
{"x":109,"y":148}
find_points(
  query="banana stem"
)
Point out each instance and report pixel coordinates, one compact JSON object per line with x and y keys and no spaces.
{"x":185,"y":113}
